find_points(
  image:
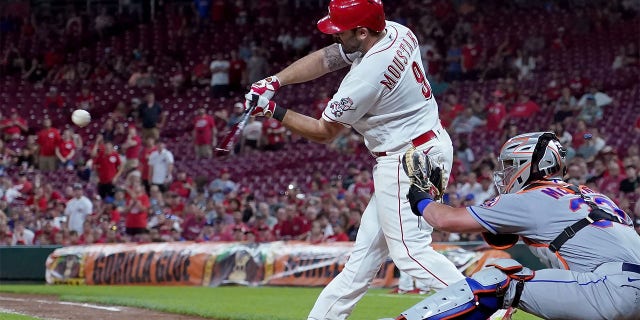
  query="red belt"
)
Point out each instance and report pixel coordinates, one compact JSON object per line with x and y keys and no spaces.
{"x":420,"y":140}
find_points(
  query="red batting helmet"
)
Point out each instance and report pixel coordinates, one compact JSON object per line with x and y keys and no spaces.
{"x":349,"y":14}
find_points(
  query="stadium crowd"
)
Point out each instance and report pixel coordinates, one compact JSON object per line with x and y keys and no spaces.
{"x":126,"y":186}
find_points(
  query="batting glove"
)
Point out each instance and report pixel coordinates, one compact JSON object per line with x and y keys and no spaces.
{"x":266,"y":87}
{"x":263,"y":108}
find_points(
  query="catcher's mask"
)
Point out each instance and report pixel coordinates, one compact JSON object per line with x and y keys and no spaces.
{"x":529,"y":157}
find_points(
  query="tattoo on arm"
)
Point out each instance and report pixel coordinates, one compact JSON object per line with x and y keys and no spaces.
{"x":333,"y":58}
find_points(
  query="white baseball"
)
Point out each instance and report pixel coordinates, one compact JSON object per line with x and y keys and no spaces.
{"x":80,"y":117}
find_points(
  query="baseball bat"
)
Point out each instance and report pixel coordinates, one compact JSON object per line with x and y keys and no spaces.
{"x":230,"y":139}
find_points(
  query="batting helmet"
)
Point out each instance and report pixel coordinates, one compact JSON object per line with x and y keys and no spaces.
{"x":529,"y":157}
{"x":349,"y":14}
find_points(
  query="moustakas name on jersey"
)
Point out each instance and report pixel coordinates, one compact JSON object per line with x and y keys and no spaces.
{"x":364,"y":102}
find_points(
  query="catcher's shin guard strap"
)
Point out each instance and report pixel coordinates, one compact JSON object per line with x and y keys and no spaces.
{"x":474,"y":298}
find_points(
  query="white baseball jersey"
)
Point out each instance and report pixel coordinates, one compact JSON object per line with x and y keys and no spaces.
{"x":77,"y":210}
{"x":386,"y":96}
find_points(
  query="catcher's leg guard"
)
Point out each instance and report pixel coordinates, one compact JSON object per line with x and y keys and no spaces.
{"x":475,"y":298}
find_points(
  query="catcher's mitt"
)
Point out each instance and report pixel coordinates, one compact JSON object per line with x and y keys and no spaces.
{"x":423,"y":174}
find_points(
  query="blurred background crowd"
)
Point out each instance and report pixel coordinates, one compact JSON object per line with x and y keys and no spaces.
{"x":164,"y":80}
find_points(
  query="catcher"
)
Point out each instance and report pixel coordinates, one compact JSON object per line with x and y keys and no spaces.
{"x":589,"y":243}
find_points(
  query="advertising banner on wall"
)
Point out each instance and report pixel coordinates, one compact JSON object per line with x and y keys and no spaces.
{"x":214,"y":264}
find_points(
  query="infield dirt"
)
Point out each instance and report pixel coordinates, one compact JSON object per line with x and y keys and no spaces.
{"x":51,"y":308}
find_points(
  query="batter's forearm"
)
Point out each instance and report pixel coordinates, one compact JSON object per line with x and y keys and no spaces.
{"x":312,"y":66}
{"x":308,"y":127}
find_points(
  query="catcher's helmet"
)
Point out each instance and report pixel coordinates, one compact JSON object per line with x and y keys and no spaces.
{"x":529,"y":157}
{"x":349,"y":14}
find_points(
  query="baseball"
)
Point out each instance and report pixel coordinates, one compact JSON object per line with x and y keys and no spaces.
{"x":80,"y":117}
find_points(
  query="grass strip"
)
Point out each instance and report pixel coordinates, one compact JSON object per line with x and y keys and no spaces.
{"x":227,"y":303}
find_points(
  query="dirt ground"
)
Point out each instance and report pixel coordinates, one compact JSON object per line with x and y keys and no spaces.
{"x":50,"y":308}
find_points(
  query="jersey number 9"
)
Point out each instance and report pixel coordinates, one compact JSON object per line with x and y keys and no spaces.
{"x":422,"y":80}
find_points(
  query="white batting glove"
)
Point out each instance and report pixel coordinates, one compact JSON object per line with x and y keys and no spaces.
{"x":264,"y":108}
{"x":266,"y":87}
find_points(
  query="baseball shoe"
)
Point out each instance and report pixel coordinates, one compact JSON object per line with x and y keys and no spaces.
{"x":400,"y":291}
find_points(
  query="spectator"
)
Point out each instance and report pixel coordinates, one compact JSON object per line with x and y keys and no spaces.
{"x":54,"y":99}
{"x":525,"y":108}
{"x":219,"y":75}
{"x":152,"y":117}
{"x":236,"y":115}
{"x":632,"y":181}
{"x":471,"y":57}
{"x":136,"y":211}
{"x":193,"y":224}
{"x":563,"y":112}
{"x":48,"y":140}
{"x":131,"y":148}
{"x":451,"y":108}
{"x":148,"y":148}
{"x":591,"y":112}
{"x":65,"y":150}
{"x":610,"y":183}
{"x":257,"y":66}
{"x":200,"y":74}
{"x":183,"y":185}
{"x":594,"y":143}
{"x":252,"y":134}
{"x":161,"y":167}
{"x":465,"y":154}
{"x":454,"y":62}
{"x":466,"y":122}
{"x":108,"y":130}
{"x":487,"y":191}
{"x":496,"y":112}
{"x":205,"y":134}
{"x":108,"y":165}
{"x":78,"y":209}
{"x":601,"y":98}
{"x":339,"y":234}
{"x":15,"y":126}
{"x":22,"y":235}
{"x":273,"y":133}
{"x":525,"y":63}
{"x":237,"y":72}
{"x":221,"y":186}
{"x":86,"y":100}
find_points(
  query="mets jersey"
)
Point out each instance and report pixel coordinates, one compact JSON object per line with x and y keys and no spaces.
{"x":541,"y":213}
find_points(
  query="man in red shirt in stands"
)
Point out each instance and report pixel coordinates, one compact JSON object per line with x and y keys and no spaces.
{"x":283,"y":229}
{"x":48,"y":140}
{"x":150,"y":146}
{"x":132,"y":147}
{"x":524,"y":108}
{"x":136,"y":211}
{"x":471,"y":55}
{"x":496,"y":112}
{"x":182,"y":185}
{"x":108,"y":166}
{"x":14,"y":126}
{"x":274,"y":133}
{"x":66,"y":150}
{"x":204,"y":134}
{"x":451,"y":108}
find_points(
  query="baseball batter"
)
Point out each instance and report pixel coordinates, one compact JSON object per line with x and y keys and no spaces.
{"x":386,"y":98}
{"x":587,"y":241}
